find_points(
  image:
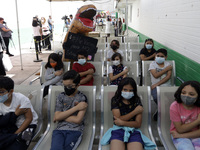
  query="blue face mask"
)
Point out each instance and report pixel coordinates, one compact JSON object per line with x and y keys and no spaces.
{"x":160,"y":60}
{"x":3,"y":98}
{"x":127,"y":95}
{"x":81,"y":61}
{"x":149,"y":46}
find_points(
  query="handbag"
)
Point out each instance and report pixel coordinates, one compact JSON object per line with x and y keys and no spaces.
{"x":7,"y":62}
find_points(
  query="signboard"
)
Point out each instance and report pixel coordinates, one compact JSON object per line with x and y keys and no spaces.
{"x":76,"y":42}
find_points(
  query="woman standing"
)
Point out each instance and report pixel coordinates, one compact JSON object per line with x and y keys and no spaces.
{"x":2,"y":69}
{"x":46,"y":33}
{"x":37,"y":32}
{"x":108,"y":23}
{"x":6,"y":34}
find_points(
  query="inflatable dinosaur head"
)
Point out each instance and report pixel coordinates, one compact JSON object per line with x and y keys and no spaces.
{"x":83,"y":21}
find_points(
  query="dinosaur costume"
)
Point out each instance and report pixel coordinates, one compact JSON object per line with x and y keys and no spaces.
{"x":82,"y":24}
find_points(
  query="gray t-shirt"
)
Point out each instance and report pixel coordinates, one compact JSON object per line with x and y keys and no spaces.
{"x":5,"y":34}
{"x":153,"y":66}
{"x":64,"y":103}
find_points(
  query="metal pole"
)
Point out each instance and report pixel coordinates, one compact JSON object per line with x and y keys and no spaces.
{"x":18,"y":33}
{"x":52,"y":25}
{"x":126,"y":17}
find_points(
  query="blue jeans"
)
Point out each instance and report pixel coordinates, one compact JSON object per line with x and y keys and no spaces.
{"x":65,"y":139}
{"x":154,"y":94}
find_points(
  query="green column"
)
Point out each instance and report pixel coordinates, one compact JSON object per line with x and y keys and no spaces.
{"x":116,"y":15}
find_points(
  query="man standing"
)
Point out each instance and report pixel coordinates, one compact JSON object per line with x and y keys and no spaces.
{"x":6,"y":34}
{"x":50,"y":22}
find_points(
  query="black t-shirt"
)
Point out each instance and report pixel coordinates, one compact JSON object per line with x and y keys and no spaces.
{"x":146,"y":53}
{"x":125,"y":108}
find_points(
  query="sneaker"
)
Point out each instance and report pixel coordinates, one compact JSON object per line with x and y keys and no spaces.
{"x":155,"y":115}
{"x":26,"y":135}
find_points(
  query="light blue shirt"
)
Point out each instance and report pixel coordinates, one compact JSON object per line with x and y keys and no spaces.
{"x":148,"y":144}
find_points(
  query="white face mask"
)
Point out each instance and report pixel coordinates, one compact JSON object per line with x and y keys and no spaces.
{"x":116,"y":62}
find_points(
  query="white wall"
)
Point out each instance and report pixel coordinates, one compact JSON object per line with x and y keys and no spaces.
{"x":173,"y":23}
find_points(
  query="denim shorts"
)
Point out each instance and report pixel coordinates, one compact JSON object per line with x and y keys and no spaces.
{"x":119,"y":135}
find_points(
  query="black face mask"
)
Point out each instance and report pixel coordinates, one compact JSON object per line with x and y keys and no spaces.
{"x":69,"y":91}
{"x":114,"y":47}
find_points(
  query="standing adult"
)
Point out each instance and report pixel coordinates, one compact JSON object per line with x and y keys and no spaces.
{"x":46,"y":33}
{"x":37,"y":32}
{"x":2,"y":69}
{"x":123,"y":27}
{"x":108,"y":23}
{"x":6,"y":34}
{"x":120,"y":26}
{"x":71,"y":18}
{"x":116,"y":27}
{"x":50,"y":22}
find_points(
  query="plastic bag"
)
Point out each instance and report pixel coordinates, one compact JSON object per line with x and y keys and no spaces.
{"x":7,"y":62}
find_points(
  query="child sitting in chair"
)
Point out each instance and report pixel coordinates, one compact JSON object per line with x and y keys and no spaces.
{"x":85,"y":69}
{"x":160,"y":71}
{"x":18,"y":120}
{"x":70,"y":110}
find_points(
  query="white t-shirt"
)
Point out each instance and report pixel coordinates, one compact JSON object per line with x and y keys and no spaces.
{"x":36,"y":31}
{"x":111,"y":52}
{"x":108,"y":24}
{"x":19,"y":99}
{"x":153,"y":66}
{"x":45,"y":29}
{"x":110,"y":69}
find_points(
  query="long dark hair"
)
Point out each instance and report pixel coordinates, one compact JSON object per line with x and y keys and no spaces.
{"x":147,"y":41}
{"x":57,"y":59}
{"x":195,"y":85}
{"x":35,"y":22}
{"x":126,"y":81}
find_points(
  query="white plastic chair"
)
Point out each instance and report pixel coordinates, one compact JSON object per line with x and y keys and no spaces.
{"x":146,"y":78}
{"x":34,"y":93}
{"x":98,"y":76}
{"x":134,"y":45}
{"x":89,"y":131}
{"x":133,"y":55}
{"x":133,"y":70}
{"x":106,"y":113}
{"x":165,"y":96}
{"x":43,"y":69}
{"x":109,"y":39}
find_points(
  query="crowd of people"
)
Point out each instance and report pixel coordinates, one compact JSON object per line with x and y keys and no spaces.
{"x":42,"y":32}
{"x":119,"y":26}
{"x":18,"y":120}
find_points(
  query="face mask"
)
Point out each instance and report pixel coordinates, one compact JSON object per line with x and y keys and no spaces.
{"x":148,"y":46}
{"x":81,"y":61}
{"x":3,"y":98}
{"x":114,"y":47}
{"x":53,"y":65}
{"x":116,"y":62}
{"x":187,"y":100}
{"x":127,"y":95}
{"x":160,"y":60}
{"x":69,"y":91}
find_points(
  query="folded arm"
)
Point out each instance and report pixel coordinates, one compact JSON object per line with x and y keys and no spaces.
{"x":159,"y":74}
{"x":136,"y":111}
{"x":78,"y":118}
{"x":62,"y":115}
{"x":136,"y":124}
{"x":143,"y":57}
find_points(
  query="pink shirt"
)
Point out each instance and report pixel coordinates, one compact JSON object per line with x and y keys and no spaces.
{"x":179,"y":114}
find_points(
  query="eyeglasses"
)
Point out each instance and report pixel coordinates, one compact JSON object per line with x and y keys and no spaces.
{"x":70,"y":86}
